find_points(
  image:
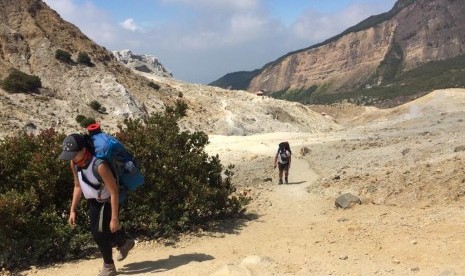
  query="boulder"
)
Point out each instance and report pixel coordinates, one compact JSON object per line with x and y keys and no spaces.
{"x":347,"y":200}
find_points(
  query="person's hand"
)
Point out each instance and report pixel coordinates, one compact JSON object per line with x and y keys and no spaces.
{"x":114,"y":225}
{"x":72,"y":218}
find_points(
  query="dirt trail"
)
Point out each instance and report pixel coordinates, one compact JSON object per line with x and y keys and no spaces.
{"x":291,"y":231}
{"x":262,"y":246}
{"x":406,"y":164}
{"x":298,"y":233}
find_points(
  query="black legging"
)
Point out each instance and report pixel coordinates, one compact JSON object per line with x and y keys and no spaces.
{"x":104,"y":238}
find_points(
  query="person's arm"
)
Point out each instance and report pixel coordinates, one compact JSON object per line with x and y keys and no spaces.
{"x":110,"y":182}
{"x":275,"y":163}
{"x":77,"y":193}
{"x":290,"y":158}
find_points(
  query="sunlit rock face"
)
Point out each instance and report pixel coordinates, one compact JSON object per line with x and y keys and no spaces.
{"x":142,"y":62}
{"x":419,"y":31}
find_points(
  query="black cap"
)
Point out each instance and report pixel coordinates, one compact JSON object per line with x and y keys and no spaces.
{"x":71,"y":146}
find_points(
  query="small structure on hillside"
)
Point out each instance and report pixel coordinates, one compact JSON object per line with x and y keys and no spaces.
{"x":259,"y":93}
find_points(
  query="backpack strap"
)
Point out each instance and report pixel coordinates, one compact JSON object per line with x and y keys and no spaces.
{"x":122,"y":190}
{"x":95,"y":169}
{"x":96,"y":173}
{"x":84,"y":178}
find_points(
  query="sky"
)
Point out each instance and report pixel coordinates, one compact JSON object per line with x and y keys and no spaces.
{"x":199,"y":41}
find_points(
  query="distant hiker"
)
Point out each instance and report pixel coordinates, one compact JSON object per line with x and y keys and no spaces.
{"x":102,"y":198}
{"x":282,"y":159}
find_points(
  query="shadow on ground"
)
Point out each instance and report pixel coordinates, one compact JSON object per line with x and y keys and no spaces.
{"x":171,"y":262}
{"x":229,"y":226}
{"x":293,"y":183}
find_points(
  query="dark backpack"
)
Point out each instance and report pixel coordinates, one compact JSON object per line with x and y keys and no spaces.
{"x":282,"y":148}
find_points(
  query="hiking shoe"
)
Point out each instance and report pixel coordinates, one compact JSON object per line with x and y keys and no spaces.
{"x":280,"y":182}
{"x":124,"y":250}
{"x":108,"y":270}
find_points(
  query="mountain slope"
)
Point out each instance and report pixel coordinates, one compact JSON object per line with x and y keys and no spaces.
{"x":30,"y":35}
{"x":372,"y":54}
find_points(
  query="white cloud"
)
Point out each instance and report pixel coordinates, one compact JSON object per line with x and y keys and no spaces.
{"x":129,"y":24}
{"x":219,"y":4}
{"x":315,"y":26}
{"x":205,"y":39}
{"x":94,"y":22}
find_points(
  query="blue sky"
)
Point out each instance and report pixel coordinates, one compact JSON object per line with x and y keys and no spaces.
{"x":200,"y":41}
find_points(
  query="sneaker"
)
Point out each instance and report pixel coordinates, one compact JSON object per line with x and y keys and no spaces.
{"x":108,"y":270}
{"x":285,"y":180}
{"x":124,"y":250}
{"x":280,"y":182}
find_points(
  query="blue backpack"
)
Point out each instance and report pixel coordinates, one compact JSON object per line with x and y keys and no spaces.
{"x":108,"y":148}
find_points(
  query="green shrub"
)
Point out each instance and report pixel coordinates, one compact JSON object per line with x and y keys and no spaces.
{"x":18,"y":81}
{"x":63,"y":56}
{"x":86,"y":121}
{"x":154,"y":85}
{"x":80,"y":118}
{"x":33,"y":205}
{"x":300,"y":95}
{"x":83,"y":58}
{"x":181,"y":108}
{"x":184,"y":187}
{"x":95,"y":105}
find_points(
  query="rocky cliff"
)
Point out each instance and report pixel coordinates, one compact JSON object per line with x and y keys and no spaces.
{"x":373,"y":52}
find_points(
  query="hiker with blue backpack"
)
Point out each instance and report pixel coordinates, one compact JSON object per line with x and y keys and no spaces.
{"x":97,"y":180}
{"x":282,"y":160}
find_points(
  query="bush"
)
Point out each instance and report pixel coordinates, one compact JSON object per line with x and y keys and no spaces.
{"x":181,"y":108}
{"x":154,"y":85}
{"x":18,"y":81}
{"x":33,"y":205}
{"x":184,"y":187}
{"x":63,"y":56}
{"x":80,"y":118}
{"x":95,"y":105}
{"x":83,"y":58}
{"x":85,"y":121}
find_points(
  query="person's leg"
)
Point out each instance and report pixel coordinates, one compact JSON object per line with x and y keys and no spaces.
{"x":117,"y":238}
{"x":280,"y":174}
{"x":286,"y":175}
{"x":122,"y":243}
{"x":100,"y":228}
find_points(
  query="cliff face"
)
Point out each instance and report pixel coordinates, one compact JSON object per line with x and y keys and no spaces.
{"x":344,"y":62}
{"x":417,"y":32}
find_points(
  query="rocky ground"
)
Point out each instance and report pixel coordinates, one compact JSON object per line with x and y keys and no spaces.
{"x":406,"y":164}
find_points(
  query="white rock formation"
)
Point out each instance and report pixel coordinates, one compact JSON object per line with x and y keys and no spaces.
{"x":142,"y":63}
